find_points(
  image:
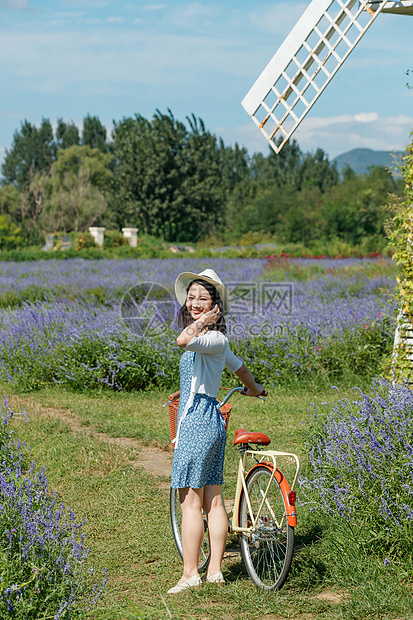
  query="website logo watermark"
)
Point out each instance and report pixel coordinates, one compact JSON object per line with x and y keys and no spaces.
{"x":257,"y":308}
{"x":261,"y":299}
{"x":147,"y":308}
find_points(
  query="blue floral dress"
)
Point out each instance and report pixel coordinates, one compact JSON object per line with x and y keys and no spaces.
{"x":199,"y":455}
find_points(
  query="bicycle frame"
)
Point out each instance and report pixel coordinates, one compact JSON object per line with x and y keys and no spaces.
{"x":268,"y":458}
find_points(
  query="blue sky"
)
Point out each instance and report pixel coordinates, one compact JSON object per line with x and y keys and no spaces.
{"x":67,"y":58}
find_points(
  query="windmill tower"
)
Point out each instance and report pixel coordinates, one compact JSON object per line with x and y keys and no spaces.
{"x":308,"y":59}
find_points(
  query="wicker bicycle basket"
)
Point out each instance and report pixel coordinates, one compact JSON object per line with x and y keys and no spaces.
{"x":173,"y":413}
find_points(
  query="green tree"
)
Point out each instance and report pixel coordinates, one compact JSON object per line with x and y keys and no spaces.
{"x":24,"y":208}
{"x":67,"y":134}
{"x":11,"y":202}
{"x":33,"y":151}
{"x":353,"y":209}
{"x":168,"y":178}
{"x":28,"y":164}
{"x":94,"y":133}
{"x":317,"y":170}
{"x":292,"y":168}
{"x":234,"y":165}
{"x":281,"y":194}
{"x":282,"y":169}
{"x":290,"y":216}
{"x":75,"y":193}
{"x":348,"y":173}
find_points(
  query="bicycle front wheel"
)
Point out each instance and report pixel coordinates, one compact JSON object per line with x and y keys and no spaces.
{"x":176,"y":522}
{"x":268,"y":551}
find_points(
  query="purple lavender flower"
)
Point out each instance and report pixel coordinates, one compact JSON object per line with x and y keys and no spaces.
{"x":45,"y":566}
{"x":361,"y":463}
{"x":80,"y":342}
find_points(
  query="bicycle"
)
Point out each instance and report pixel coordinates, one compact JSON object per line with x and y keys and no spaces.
{"x":263,"y":515}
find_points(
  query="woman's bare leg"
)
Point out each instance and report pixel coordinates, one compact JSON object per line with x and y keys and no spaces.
{"x":217,"y":526}
{"x":192,"y":529}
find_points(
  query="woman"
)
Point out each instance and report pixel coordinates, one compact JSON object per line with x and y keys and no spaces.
{"x":197,"y":469}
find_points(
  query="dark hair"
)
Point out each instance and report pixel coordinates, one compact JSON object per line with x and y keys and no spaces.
{"x":185,"y":319}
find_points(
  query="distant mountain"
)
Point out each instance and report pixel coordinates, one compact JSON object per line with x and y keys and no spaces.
{"x":360,"y":160}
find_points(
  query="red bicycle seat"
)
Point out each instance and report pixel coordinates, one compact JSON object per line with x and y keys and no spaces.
{"x":243,"y":436}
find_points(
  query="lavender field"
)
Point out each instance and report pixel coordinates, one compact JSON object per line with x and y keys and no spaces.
{"x":303,"y":323}
{"x":77,"y":323}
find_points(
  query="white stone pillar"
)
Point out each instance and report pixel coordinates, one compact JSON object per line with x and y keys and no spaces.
{"x":98,"y":234}
{"x":131,"y":234}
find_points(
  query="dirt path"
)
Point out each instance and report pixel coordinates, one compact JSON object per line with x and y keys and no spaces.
{"x":156,"y":461}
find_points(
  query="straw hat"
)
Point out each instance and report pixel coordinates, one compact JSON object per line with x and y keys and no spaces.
{"x":184,"y":279}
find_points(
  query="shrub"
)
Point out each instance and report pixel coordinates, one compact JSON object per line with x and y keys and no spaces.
{"x":360,"y":472}
{"x":43,"y":573}
{"x":10,"y":234}
{"x":83,"y":241}
{"x":114,"y":239}
{"x":400,"y":233}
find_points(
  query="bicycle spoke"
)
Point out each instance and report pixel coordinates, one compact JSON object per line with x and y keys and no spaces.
{"x":268,"y":551}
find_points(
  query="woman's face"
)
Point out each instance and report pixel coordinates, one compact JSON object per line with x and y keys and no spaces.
{"x":198,"y":301}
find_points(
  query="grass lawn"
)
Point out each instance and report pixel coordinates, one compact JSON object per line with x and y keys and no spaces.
{"x":127,"y":508}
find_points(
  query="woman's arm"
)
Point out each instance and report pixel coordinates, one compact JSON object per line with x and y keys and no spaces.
{"x":195,"y":328}
{"x":254,"y":389}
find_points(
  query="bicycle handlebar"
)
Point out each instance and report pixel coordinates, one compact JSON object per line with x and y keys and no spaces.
{"x":243,"y":391}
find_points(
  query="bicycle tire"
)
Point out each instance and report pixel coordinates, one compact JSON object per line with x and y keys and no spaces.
{"x":176,"y":521}
{"x":268,"y":552}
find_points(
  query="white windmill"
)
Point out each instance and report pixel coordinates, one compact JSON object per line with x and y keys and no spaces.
{"x":300,"y":70}
{"x":307,"y":60}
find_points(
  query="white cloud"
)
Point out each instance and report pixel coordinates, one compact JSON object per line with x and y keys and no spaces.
{"x":90,"y":21}
{"x":52,"y":61}
{"x":196,"y":16}
{"x":366,"y":117}
{"x":279,"y":19}
{"x":115,"y":20}
{"x":69,"y":14}
{"x":262,"y":28}
{"x":154,"y":7}
{"x":15,"y":114}
{"x":17,"y":5}
{"x":336,"y":135}
{"x":86,"y":3}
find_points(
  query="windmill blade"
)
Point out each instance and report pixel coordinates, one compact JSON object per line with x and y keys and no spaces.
{"x":398,"y":7}
{"x":305,"y":63}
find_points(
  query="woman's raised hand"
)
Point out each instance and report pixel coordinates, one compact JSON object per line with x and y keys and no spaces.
{"x":211,"y":317}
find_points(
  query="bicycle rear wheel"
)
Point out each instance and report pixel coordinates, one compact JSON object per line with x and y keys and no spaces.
{"x":176,"y":522}
{"x":268,"y":551}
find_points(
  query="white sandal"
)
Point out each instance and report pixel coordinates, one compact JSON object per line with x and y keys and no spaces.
{"x":216,"y":578}
{"x":192,"y":582}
